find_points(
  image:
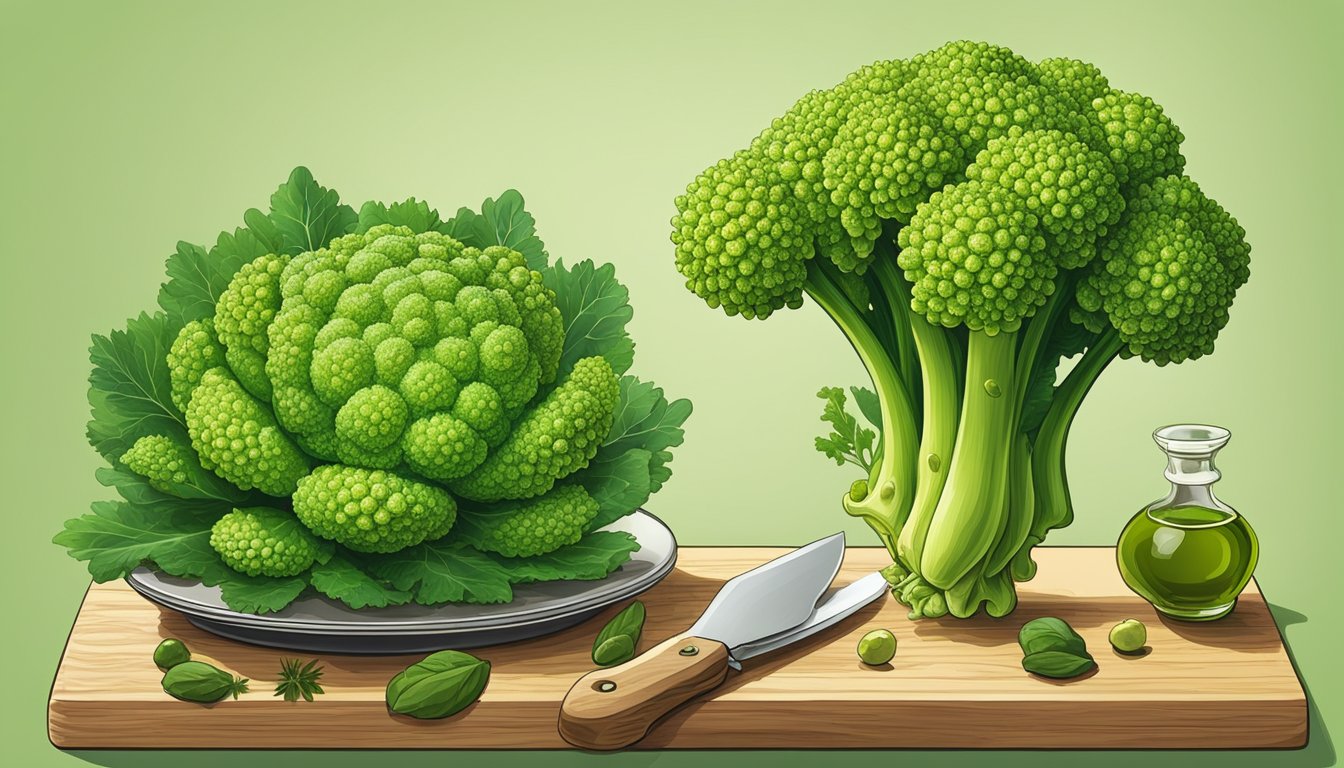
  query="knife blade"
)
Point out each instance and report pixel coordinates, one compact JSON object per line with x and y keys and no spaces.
{"x":761,"y":610}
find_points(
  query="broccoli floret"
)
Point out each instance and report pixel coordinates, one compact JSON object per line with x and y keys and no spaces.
{"x":383,"y":335}
{"x":237,"y":438}
{"x":161,"y":461}
{"x":555,"y":439}
{"x":263,"y":542}
{"x":967,"y":217}
{"x":193,"y":352}
{"x":242,"y":314}
{"x":372,"y":510}
{"x":532,"y":527}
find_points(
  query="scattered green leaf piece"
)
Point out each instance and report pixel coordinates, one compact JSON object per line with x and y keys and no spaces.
{"x":439,"y":685}
{"x":299,"y":680}
{"x":1059,"y":665}
{"x":629,"y":623}
{"x":202,"y":683}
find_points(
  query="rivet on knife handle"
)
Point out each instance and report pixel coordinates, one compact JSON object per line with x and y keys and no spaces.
{"x":615,"y":707}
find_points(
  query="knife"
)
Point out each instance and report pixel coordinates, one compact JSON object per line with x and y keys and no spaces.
{"x":756,"y":612}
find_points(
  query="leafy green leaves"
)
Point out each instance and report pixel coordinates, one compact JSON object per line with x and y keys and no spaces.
{"x":500,"y":222}
{"x":129,"y":387}
{"x":307,"y":215}
{"x":596,"y":308}
{"x":444,"y":572}
{"x":118,"y":536}
{"x":411,"y":213}
{"x":341,"y":579}
{"x":595,"y":556}
{"x":247,"y":594}
{"x":849,"y":441}
{"x":632,"y":463}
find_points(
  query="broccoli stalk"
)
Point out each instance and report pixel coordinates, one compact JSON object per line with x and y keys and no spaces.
{"x":967,"y":219}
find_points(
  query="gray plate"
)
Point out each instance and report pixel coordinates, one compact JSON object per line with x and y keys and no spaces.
{"x":316,"y":623}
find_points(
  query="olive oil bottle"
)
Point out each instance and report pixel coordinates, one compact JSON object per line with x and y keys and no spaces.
{"x":1189,"y":554}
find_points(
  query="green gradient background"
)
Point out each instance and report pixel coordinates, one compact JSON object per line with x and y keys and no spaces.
{"x":127,"y":126}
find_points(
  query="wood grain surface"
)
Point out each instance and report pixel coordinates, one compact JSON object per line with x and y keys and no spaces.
{"x":954,"y":682}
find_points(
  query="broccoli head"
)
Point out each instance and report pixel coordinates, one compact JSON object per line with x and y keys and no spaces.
{"x":968,"y":217}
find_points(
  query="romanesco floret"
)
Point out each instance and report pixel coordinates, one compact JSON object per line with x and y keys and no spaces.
{"x":535,"y":526}
{"x":263,"y":542}
{"x":236,"y":437}
{"x":160,"y":460}
{"x":242,"y":314}
{"x":383,"y":335}
{"x":193,"y":352}
{"x":558,"y":437}
{"x":372,"y":510}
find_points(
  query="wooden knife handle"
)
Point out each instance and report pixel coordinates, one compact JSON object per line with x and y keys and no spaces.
{"x":615,"y":707}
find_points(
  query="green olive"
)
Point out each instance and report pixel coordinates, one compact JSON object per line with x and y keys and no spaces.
{"x":1129,"y":636}
{"x":877,"y":647}
{"x":170,"y":653}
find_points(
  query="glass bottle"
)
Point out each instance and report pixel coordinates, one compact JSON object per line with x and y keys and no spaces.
{"x":1189,"y":554}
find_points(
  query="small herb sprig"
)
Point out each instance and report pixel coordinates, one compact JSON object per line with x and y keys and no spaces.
{"x":299,"y":679}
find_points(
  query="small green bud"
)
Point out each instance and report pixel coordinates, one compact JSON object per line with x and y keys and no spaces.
{"x":888,"y":490}
{"x":934,"y":462}
{"x":858,"y":490}
{"x":1129,"y":636}
{"x":877,"y":647}
{"x":170,"y":653}
{"x":992,"y":387}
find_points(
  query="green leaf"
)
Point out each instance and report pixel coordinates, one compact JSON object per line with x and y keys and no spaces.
{"x":129,"y":388}
{"x":1069,"y":339}
{"x":307,"y":215}
{"x":645,"y":419}
{"x":201,"y":484}
{"x":412,"y":213}
{"x":619,"y":485}
{"x":595,"y":556}
{"x":342,"y":579}
{"x":595,"y":308}
{"x":501,"y":222}
{"x":1059,"y":665}
{"x":629,"y":623}
{"x":869,"y":405}
{"x":119,"y":536}
{"x":196,"y":278}
{"x":260,"y":594}
{"x":1050,"y":634}
{"x":848,"y":442}
{"x":443,"y":572}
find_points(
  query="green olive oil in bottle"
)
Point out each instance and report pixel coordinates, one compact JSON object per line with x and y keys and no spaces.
{"x":1189,"y":554}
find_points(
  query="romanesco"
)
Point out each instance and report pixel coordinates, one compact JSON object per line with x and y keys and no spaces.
{"x":559,"y":436}
{"x":372,"y":510}
{"x":237,"y":438}
{"x":532,"y":527}
{"x":263,"y":542}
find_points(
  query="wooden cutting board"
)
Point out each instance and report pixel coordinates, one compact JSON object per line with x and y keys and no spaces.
{"x":953,"y":683}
